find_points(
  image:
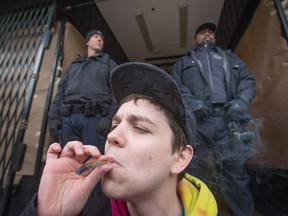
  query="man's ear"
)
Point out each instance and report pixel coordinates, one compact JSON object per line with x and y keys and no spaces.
{"x":182,"y":159}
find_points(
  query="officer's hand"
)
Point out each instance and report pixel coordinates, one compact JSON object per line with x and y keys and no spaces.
{"x":54,"y":127}
{"x":103,"y":126}
{"x":200,"y":110}
{"x":235,"y":108}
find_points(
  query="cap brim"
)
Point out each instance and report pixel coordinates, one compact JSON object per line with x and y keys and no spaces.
{"x":141,"y":78}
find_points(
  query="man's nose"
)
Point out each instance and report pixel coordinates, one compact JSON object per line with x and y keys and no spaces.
{"x":116,"y":136}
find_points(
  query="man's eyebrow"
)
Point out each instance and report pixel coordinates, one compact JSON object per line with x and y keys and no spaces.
{"x":135,"y":118}
{"x":116,"y":118}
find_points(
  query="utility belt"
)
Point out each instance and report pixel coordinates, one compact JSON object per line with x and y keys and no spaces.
{"x":217,"y":110}
{"x":89,"y":108}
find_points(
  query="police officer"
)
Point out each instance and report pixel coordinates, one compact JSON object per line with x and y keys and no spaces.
{"x":218,"y":88}
{"x":83,"y":107}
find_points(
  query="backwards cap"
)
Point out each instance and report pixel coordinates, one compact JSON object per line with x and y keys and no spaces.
{"x":142,"y":78}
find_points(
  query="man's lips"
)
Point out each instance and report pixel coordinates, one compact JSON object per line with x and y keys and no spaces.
{"x":112,"y":160}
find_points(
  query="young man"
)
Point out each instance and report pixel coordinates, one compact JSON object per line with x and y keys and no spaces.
{"x":218,"y":88}
{"x":147,"y":152}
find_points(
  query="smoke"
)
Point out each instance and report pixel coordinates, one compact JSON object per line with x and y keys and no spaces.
{"x":241,"y":142}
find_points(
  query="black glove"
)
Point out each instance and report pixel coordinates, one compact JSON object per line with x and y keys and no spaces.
{"x":103,"y":126}
{"x":235,"y":108}
{"x":199,"y":109}
{"x":54,"y":127}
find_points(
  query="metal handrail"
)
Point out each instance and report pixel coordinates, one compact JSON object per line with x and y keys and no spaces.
{"x":57,"y":56}
{"x":282,"y":16}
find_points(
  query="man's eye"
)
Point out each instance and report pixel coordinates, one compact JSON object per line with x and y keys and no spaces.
{"x":141,"y":129}
{"x":113,"y":126}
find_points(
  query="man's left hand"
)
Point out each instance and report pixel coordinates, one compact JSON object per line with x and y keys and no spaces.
{"x":235,"y":108}
{"x":103,"y":126}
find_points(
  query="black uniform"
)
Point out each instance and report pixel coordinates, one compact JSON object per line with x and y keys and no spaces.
{"x":84,"y":106}
{"x":218,"y":87}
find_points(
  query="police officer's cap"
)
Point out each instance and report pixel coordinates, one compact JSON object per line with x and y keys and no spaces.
{"x":208,"y":25}
{"x":91,"y":33}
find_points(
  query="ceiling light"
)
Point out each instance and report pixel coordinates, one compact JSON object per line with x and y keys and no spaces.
{"x":183,"y":23}
{"x":144,"y":31}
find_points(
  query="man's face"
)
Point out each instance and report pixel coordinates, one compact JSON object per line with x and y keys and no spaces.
{"x":141,"y":145}
{"x":96,"y":42}
{"x":205,"y":36}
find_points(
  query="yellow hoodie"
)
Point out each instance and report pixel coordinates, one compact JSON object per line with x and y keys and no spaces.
{"x":196,"y":198}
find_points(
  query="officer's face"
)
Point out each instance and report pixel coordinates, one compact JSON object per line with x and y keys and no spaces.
{"x":96,"y":42}
{"x":205,"y":36}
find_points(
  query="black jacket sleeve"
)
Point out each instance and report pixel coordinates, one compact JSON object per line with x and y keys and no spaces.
{"x":54,"y":112}
{"x":244,"y":79}
{"x":30,"y":209}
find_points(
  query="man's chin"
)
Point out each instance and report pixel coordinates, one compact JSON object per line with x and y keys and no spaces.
{"x":108,"y":190}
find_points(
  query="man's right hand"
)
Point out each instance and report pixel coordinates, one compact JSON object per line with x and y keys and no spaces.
{"x":61,"y":190}
{"x":199,"y":109}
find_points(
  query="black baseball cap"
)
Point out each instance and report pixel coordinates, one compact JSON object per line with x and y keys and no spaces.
{"x":147,"y":79}
{"x":207,"y":25}
{"x":91,"y":33}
